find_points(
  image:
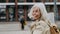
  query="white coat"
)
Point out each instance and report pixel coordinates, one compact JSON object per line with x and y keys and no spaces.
{"x":40,"y":27}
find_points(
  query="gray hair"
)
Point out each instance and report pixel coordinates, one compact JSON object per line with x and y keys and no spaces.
{"x":43,"y":11}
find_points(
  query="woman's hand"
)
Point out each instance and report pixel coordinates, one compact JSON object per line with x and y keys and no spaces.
{"x":55,"y":28}
{"x":54,"y":25}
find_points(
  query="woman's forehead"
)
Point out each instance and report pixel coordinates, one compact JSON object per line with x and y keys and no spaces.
{"x":35,"y":8}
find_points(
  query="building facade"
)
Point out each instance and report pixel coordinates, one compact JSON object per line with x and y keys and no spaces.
{"x":12,"y":10}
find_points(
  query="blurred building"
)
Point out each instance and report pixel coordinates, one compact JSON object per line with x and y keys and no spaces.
{"x":12,"y":10}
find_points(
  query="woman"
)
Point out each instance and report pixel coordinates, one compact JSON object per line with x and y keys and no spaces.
{"x":39,"y":14}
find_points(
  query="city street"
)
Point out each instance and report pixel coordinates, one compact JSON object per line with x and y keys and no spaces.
{"x":13,"y":14}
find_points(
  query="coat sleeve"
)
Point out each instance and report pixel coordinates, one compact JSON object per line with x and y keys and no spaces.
{"x":41,"y":28}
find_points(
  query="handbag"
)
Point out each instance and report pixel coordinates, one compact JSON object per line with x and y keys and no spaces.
{"x":25,"y":23}
{"x":53,"y":29}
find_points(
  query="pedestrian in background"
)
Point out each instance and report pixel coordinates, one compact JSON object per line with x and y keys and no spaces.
{"x":22,"y":21}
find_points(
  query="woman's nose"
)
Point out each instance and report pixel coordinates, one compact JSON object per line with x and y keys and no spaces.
{"x":34,"y":13}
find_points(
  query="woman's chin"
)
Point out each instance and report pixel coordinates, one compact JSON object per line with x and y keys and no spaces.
{"x":35,"y":19}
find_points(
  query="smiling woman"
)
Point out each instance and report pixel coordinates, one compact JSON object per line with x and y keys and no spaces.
{"x":39,"y":14}
{"x":41,"y":25}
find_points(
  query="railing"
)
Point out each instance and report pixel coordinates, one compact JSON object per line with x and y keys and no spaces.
{"x":47,"y":3}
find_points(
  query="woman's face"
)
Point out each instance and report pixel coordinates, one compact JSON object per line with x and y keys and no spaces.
{"x":36,"y":13}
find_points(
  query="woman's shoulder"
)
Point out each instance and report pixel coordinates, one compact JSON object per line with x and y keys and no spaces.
{"x":42,"y":22}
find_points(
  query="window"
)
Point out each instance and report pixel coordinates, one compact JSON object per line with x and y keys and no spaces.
{"x":48,"y":8}
{"x":2,"y":13}
{"x":38,"y":0}
{"x":11,"y":11}
{"x":11,"y":0}
{"x":47,"y":0}
{"x":20,"y":0}
{"x":28,"y":10}
{"x":59,"y":12}
{"x":20,"y":11}
{"x":29,"y":0}
{"x":2,"y":1}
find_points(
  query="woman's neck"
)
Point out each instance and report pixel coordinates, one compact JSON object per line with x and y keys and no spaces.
{"x":37,"y":20}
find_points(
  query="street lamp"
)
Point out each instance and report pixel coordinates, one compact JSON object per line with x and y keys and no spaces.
{"x":55,"y":10}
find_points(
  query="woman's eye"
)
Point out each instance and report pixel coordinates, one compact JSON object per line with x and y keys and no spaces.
{"x":36,"y":10}
{"x":33,"y":11}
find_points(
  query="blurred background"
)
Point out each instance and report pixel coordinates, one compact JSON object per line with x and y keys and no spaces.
{"x":12,"y":10}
